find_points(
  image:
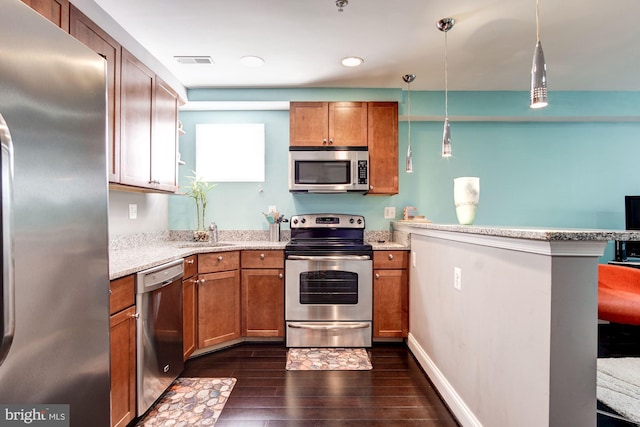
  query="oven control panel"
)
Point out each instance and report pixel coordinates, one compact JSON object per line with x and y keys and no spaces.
{"x":327,"y":221}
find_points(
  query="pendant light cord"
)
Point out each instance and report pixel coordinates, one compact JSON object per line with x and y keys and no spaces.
{"x":537,"y":22}
{"x":409,"y":102}
{"x":446,"y":82}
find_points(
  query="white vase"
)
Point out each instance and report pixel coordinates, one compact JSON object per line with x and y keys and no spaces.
{"x":466,"y":195}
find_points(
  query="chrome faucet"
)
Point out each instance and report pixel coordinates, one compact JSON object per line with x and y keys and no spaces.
{"x":213,"y":228}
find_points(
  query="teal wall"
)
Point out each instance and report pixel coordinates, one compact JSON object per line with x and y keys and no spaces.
{"x":568,"y":165}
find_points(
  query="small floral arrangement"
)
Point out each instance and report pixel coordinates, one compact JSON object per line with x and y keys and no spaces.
{"x":198,"y":190}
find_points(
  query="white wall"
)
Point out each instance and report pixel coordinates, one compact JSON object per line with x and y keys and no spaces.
{"x":153,"y":213}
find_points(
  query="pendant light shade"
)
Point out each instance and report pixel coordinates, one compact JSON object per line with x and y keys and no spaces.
{"x":408,"y":78}
{"x":538,"y":72}
{"x":444,"y":25}
{"x":446,"y":139}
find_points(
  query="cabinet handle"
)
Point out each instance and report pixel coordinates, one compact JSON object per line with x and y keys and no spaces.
{"x":190,"y":261}
{"x":261,"y":256}
{"x":390,"y":257}
{"x":330,"y":141}
{"x":135,"y":315}
{"x":219,"y":257}
{"x":280,"y":276}
{"x":377,"y":275}
{"x":324,"y":141}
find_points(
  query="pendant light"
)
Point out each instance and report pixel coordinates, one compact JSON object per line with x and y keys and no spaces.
{"x":444,"y":25}
{"x":538,"y":71}
{"x":408,"y":78}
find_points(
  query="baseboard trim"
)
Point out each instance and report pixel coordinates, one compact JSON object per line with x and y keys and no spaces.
{"x":456,"y":404}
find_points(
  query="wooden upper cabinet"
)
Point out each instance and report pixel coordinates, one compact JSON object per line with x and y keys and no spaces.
{"x":348,"y":124}
{"x":164,"y":148}
{"x":86,"y":31}
{"x":56,"y":11}
{"x":383,"y":147}
{"x":328,"y":124}
{"x":136,"y":113}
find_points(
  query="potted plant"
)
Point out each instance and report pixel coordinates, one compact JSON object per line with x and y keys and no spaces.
{"x":198,"y":191}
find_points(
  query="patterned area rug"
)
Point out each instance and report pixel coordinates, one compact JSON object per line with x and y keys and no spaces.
{"x":190,"y":402}
{"x":328,"y":359}
{"x":619,"y":385}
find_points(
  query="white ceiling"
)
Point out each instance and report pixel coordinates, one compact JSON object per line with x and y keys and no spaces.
{"x":588,"y":44}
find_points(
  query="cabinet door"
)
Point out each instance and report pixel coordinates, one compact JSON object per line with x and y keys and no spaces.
{"x":218,"y":308}
{"x":263,"y":303}
{"x":136,"y":112}
{"x":56,"y":11}
{"x":383,"y":147}
{"x":84,"y":30}
{"x":390,"y":304}
{"x":189,"y":310}
{"x":164,"y":148}
{"x":348,"y":124}
{"x":309,"y":123}
{"x":123,"y":366}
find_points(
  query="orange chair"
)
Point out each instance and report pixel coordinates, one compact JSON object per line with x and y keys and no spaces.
{"x":619,"y":294}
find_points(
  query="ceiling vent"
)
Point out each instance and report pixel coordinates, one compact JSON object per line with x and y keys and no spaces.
{"x":194,"y":59}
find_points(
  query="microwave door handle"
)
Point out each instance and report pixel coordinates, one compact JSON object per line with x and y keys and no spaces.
{"x":6,"y":213}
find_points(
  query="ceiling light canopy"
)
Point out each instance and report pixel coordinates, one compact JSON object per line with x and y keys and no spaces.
{"x":352,"y":61}
{"x":340,"y":4}
{"x":252,"y":61}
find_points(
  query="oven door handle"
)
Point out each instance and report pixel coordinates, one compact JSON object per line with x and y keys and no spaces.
{"x":329,"y":257}
{"x":329,"y":326}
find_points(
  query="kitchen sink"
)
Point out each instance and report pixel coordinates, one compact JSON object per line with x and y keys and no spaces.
{"x":188,"y":245}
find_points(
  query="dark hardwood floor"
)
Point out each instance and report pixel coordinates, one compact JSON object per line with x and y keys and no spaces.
{"x":395,"y":393}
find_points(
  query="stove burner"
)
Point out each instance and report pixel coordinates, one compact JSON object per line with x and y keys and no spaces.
{"x":327,"y":234}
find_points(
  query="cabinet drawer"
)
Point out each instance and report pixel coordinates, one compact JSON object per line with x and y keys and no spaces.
{"x":390,"y":259}
{"x":218,"y":261}
{"x":262,"y":259}
{"x":190,"y":266}
{"x":121,"y":293}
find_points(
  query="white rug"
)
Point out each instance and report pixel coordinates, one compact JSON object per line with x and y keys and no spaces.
{"x":619,"y":385}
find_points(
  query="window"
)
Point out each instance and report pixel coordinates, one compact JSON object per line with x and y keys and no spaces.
{"x":230,"y":152}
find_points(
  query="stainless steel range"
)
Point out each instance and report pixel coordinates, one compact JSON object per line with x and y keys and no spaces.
{"x":329,"y":286}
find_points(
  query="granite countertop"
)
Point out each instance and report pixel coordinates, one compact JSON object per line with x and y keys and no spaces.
{"x":531,"y":233}
{"x":125,"y":261}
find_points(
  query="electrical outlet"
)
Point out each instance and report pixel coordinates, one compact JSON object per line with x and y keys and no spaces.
{"x":413,"y":258}
{"x":389,"y":212}
{"x":272,"y":209}
{"x":133,"y":211}
{"x":457,"y":278}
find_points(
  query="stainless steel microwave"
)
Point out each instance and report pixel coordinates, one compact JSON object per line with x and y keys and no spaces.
{"x":328,"y":170}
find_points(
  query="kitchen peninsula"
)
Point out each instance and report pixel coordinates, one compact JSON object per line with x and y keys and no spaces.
{"x":504,"y":320}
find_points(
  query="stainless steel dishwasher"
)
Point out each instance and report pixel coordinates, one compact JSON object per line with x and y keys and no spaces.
{"x":159,"y":331}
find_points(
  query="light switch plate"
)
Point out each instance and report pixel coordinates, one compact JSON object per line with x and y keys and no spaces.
{"x":133,"y":211}
{"x":389,"y":212}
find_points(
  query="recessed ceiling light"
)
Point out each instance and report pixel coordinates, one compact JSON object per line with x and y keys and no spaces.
{"x":352,"y":61}
{"x":252,"y":61}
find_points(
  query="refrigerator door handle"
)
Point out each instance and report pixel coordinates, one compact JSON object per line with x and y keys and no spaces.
{"x":6,"y":214}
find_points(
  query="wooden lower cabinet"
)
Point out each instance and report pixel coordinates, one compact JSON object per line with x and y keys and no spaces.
{"x":190,"y":306}
{"x":263,"y":303}
{"x":123,"y":366}
{"x":218,"y":307}
{"x":390,"y":294}
{"x":189,"y":318}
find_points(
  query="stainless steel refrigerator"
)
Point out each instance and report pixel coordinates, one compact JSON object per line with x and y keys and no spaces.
{"x":55,"y":282}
